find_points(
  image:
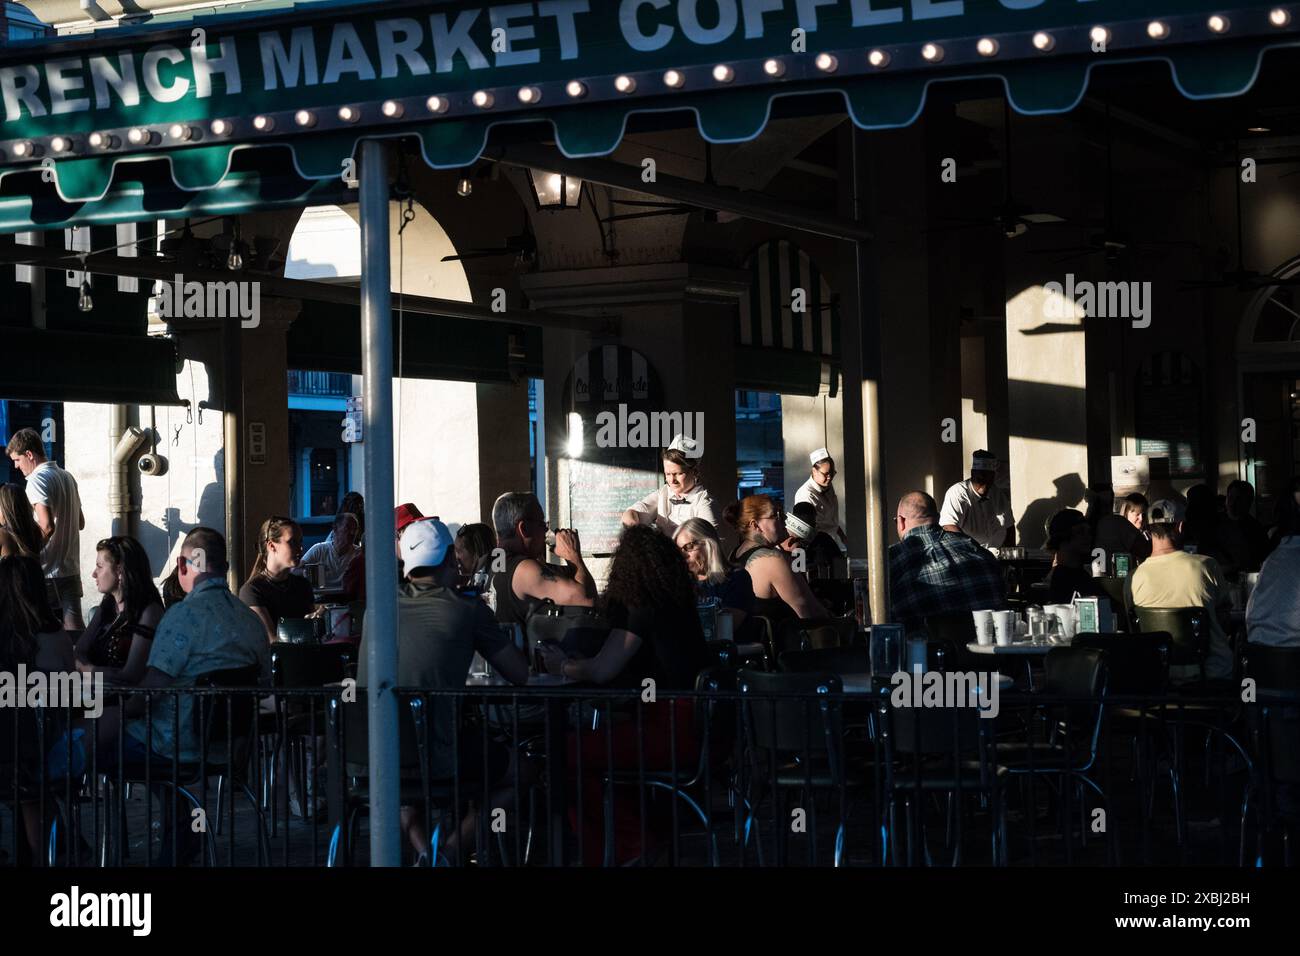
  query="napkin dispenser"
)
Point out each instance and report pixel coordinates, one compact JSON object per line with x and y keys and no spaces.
{"x":1094,"y":615}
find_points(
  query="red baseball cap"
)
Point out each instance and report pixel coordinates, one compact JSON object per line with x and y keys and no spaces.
{"x":404,"y":514}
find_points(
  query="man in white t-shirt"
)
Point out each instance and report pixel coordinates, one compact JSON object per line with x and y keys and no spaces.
{"x":56,"y":506}
{"x":979,"y":509}
{"x":819,"y":492}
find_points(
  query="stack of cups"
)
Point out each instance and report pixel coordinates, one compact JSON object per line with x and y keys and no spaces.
{"x":983,"y":627}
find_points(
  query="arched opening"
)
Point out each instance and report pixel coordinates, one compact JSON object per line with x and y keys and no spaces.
{"x":1268,"y":356}
{"x":436,"y":420}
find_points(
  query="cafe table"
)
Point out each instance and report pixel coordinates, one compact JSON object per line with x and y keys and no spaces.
{"x":1026,"y":650}
{"x":865,"y":683}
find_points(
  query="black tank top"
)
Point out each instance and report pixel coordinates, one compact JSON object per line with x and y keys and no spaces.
{"x":510,"y":609}
{"x":772,"y":608}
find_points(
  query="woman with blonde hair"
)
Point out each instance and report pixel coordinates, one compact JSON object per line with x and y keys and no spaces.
{"x":699,"y":543}
{"x":779,"y":593}
{"x":272,"y":590}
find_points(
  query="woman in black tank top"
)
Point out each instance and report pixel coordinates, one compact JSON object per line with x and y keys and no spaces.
{"x":779,"y":593}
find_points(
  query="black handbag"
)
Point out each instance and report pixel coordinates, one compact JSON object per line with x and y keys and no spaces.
{"x":578,"y":630}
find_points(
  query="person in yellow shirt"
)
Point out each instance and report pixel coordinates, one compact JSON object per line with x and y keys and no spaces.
{"x":1172,"y":577}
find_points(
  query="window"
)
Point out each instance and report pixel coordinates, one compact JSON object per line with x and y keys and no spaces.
{"x":760,"y":448}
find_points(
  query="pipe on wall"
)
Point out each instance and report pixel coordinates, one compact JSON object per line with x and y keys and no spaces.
{"x":127,"y":442}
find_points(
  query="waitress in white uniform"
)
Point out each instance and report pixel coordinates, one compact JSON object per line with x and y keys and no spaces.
{"x":820,"y":493}
{"x":683,"y":495}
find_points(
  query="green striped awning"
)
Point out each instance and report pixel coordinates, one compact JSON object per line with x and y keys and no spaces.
{"x":269,"y":102}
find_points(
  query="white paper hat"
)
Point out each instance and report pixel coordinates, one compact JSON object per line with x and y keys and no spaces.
{"x":687,"y":446}
{"x":821,"y":454}
{"x":983,"y":463}
{"x":797,"y":526}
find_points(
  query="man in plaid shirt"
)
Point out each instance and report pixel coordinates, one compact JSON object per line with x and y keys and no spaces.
{"x":932,"y":571}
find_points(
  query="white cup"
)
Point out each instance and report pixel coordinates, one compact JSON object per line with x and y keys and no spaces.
{"x":1004,"y":625}
{"x":983,"y":627}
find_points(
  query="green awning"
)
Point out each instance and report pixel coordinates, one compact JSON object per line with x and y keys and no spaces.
{"x":327,"y":338}
{"x":321,"y":76}
{"x":89,"y":367}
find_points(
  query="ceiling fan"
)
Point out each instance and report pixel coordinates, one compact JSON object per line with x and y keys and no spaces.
{"x":1115,"y":245}
{"x":1011,"y":218}
{"x":522,"y":246}
{"x":1240,"y":278}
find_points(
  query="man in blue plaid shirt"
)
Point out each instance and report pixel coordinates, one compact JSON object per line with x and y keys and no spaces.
{"x":932,"y":571}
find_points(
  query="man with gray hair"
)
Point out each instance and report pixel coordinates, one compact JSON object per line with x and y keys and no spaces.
{"x":933,"y":571}
{"x":527,"y":580}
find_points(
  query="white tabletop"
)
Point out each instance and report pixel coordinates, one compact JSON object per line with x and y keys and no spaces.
{"x":1020,"y":647}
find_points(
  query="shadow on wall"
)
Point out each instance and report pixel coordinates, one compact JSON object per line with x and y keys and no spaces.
{"x":1070,"y":492}
{"x":166,"y":541}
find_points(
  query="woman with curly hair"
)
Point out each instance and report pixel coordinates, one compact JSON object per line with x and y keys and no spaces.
{"x":650,"y":604}
{"x":655,"y":636}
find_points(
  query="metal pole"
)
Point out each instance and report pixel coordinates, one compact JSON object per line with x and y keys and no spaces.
{"x":381,"y":560}
{"x":872,"y":370}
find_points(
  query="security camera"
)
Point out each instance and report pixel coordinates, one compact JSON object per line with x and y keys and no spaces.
{"x":152,"y":465}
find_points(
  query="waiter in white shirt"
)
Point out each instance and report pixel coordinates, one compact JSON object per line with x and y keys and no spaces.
{"x":682,"y":496}
{"x":977,"y":508}
{"x":819,"y":492}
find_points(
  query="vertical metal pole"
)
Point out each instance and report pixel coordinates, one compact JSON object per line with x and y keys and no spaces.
{"x":872,"y":369}
{"x":381,"y":560}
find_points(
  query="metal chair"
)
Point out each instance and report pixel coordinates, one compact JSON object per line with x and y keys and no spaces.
{"x":933,"y":751}
{"x":1078,"y":676}
{"x":1273,"y":719}
{"x":218,"y":721}
{"x":715,"y":729}
{"x":797,"y":731}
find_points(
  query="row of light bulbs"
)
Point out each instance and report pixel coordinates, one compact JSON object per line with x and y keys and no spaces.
{"x":576,"y":89}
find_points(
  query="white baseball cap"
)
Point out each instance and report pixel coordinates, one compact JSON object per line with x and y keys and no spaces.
{"x":1166,"y":511}
{"x":820,"y":455}
{"x":424,"y":543}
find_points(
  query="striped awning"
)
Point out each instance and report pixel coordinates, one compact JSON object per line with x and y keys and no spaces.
{"x":788,"y":304}
{"x":275,"y":98}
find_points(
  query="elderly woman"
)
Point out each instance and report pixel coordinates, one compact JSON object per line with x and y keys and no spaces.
{"x":682,"y":496}
{"x":699,"y":543}
{"x":779,"y":593}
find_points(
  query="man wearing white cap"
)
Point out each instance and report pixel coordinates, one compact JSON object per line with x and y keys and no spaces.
{"x":977,"y":508}
{"x":819,"y":492}
{"x":683,"y":495}
{"x":438,"y":632}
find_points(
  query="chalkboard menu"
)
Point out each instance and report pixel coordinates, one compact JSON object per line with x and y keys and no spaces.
{"x":597,"y":494}
{"x":600,"y":480}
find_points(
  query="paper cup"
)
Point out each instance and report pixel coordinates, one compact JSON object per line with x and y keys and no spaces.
{"x":1004,"y":626}
{"x":983,"y":626}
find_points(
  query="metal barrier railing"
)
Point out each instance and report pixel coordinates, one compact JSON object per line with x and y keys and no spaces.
{"x":732,"y":774}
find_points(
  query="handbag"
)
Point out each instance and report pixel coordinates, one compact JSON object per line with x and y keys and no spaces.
{"x":578,"y":630}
